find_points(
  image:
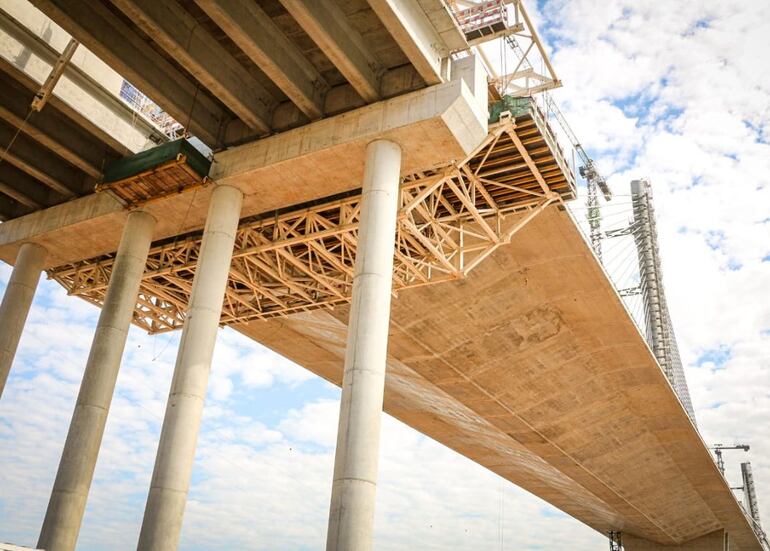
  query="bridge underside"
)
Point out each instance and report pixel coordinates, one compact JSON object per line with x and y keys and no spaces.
{"x":522,"y":357}
{"x":532,"y":367}
{"x":507,"y":341}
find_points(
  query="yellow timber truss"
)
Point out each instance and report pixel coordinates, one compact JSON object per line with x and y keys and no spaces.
{"x":450,"y":219}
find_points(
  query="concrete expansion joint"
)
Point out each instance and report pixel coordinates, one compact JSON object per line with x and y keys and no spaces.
{"x":111,"y":327}
{"x":80,"y":404}
{"x":373,"y":191}
{"x":65,"y":491}
{"x":226,"y":184}
{"x":355,"y":479}
{"x":385,"y":140}
{"x":138,"y":257}
{"x":36,"y":245}
{"x":186,"y":395}
{"x":142,"y":210}
{"x":370,"y":274}
{"x":22,"y":285}
{"x":194,"y":307}
{"x":220,"y":232}
{"x":354,"y":368}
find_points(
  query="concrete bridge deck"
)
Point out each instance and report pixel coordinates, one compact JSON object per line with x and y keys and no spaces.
{"x":533,"y":368}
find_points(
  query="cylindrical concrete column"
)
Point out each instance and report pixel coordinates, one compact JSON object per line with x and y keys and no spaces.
{"x":78,"y":460}
{"x":351,"y":513}
{"x":176,"y":450}
{"x":16,"y":302}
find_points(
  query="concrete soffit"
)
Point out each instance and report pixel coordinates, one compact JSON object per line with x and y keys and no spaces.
{"x":434,"y":126}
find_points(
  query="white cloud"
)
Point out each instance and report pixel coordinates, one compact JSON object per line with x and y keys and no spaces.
{"x":704,"y":146}
{"x":677,"y":93}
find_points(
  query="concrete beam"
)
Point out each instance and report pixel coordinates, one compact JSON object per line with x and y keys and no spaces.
{"x":342,"y":98}
{"x":18,"y":196}
{"x":51,"y":128}
{"x":441,"y":122}
{"x":41,"y":164}
{"x":268,"y":47}
{"x":10,"y":209}
{"x":328,"y":27}
{"x":74,"y":114}
{"x":183,"y":38}
{"x":415,"y":33}
{"x":23,"y":188}
{"x":80,"y":80}
{"x":715,"y":541}
{"x":434,"y":125}
{"x":102,"y":32}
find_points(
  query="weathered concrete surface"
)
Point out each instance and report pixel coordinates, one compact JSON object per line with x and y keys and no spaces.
{"x":81,"y":449}
{"x":714,"y":541}
{"x":433,"y":126}
{"x":16,"y":303}
{"x":533,"y":368}
{"x":174,"y":461}
{"x":351,"y":514}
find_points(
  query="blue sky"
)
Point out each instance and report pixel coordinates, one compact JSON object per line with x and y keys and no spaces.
{"x":672,"y":94}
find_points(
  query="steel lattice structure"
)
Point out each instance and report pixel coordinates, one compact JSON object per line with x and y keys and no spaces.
{"x":450,"y":219}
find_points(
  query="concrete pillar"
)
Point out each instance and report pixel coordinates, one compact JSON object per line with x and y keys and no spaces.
{"x":351,"y":513}
{"x":715,"y":541}
{"x":78,"y":460}
{"x":176,"y":450}
{"x":16,"y":302}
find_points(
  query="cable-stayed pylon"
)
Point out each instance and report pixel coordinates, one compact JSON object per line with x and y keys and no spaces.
{"x":660,"y":330}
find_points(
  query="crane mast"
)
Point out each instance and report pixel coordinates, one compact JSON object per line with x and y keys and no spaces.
{"x":594,"y":181}
{"x":718,"y":448}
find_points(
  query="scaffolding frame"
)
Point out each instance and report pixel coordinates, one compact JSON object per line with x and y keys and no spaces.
{"x":490,"y":20}
{"x":450,"y":219}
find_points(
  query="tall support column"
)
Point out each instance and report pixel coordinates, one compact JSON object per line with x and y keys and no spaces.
{"x":16,"y":303}
{"x":81,"y":449}
{"x":173,"y":465}
{"x":351,"y":513}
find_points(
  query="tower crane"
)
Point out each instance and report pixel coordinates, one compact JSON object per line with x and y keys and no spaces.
{"x":591,"y":174}
{"x":718,"y":448}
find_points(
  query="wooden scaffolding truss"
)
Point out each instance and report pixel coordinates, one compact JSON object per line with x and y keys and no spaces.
{"x":450,"y":219}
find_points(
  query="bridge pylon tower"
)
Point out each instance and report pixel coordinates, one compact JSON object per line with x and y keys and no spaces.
{"x":660,"y":330}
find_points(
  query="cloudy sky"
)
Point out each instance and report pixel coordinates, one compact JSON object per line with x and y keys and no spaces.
{"x":679,"y":94}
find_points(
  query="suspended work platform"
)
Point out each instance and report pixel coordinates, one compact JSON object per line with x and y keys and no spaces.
{"x":173,"y":167}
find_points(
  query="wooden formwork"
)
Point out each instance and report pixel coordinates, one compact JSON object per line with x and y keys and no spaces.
{"x":299,"y":258}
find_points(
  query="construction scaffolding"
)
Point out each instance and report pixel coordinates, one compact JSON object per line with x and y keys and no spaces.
{"x":507,"y":20}
{"x":301,"y":258}
{"x":150,"y":111}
